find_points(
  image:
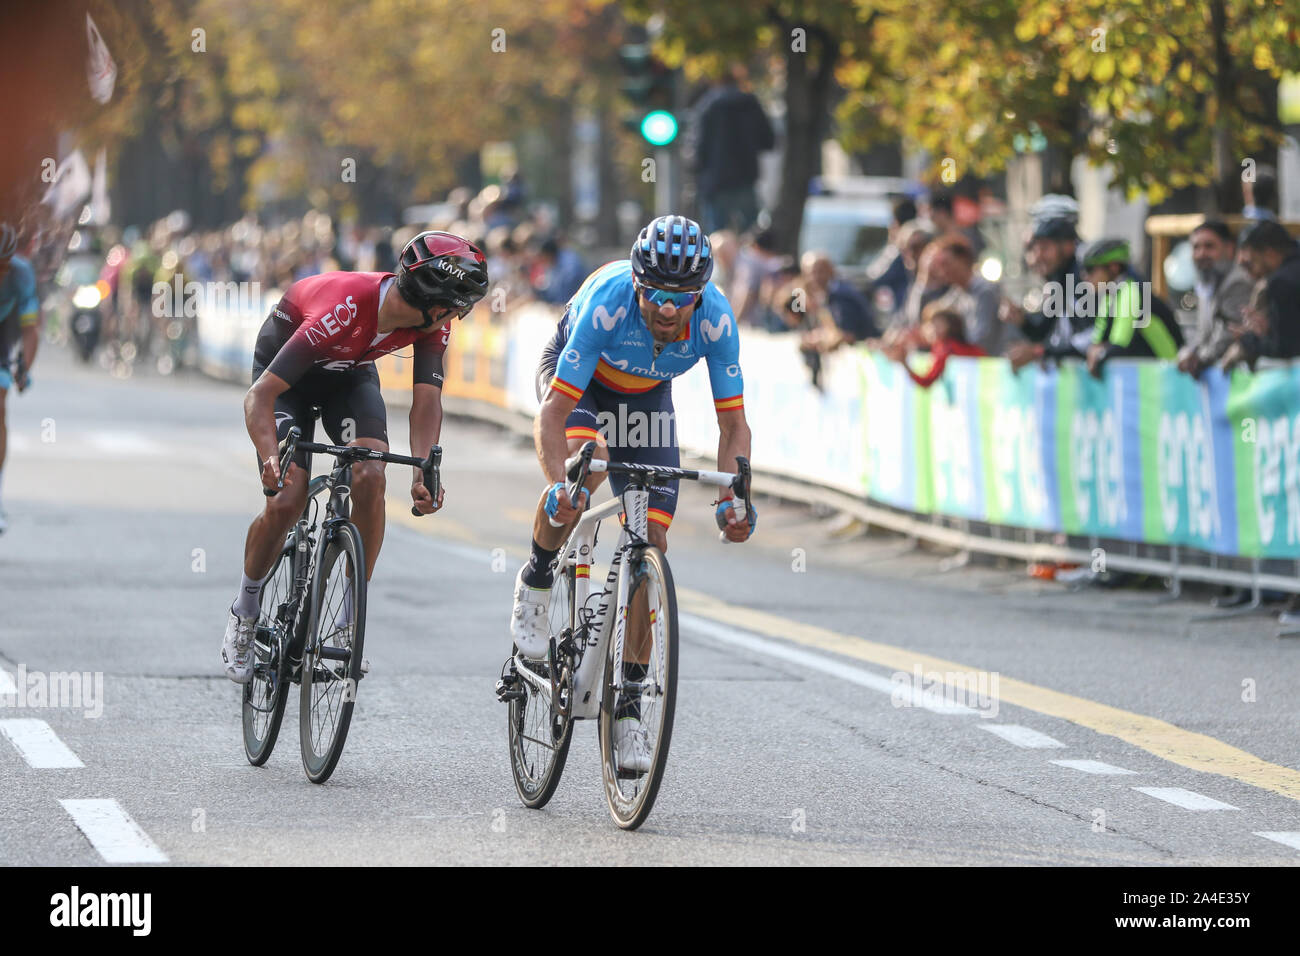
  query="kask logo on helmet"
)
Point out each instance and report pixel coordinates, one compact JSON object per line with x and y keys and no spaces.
{"x":449,"y":268}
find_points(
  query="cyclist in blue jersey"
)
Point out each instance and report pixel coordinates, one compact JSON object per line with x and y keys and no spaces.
{"x":632,"y":327}
{"x":19,"y":317}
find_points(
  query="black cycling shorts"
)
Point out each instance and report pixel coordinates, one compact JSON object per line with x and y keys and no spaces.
{"x":350,"y":402}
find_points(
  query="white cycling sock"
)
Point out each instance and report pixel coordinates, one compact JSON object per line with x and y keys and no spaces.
{"x":344,"y":617}
{"x":246,"y":603}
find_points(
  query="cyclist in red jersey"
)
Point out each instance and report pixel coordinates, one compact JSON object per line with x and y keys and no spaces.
{"x":316,"y":351}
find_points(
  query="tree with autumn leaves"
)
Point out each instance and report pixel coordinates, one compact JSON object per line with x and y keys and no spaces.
{"x":1169,"y":93}
{"x":272,"y":98}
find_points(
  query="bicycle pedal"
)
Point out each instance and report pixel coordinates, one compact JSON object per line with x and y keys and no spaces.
{"x":508,"y":689}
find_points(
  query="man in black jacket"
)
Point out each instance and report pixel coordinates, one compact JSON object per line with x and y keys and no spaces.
{"x":731,"y":130}
{"x":1272,"y":326}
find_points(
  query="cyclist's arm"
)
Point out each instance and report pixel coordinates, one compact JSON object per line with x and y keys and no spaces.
{"x":733,"y":438}
{"x":426,"y":394}
{"x":573,"y":371}
{"x":31,"y":341}
{"x":426,"y":420}
{"x":259,"y":413}
{"x":29,"y":319}
{"x":548,"y":433}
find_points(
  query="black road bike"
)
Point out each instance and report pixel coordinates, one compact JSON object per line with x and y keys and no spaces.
{"x":311,"y":623}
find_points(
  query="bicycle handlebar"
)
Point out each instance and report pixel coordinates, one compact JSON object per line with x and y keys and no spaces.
{"x":431,"y":467}
{"x":579,"y":466}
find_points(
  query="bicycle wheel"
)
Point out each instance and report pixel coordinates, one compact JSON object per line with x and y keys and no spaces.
{"x":539,"y":740}
{"x":631,"y":793}
{"x":332,"y":660}
{"x":266,"y":694}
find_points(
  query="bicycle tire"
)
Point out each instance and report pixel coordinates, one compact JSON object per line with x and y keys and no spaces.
{"x":536,"y":789}
{"x":339,"y":678}
{"x":631,"y":810}
{"x":267,"y":692}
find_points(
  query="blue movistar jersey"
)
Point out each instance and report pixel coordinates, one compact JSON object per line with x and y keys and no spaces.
{"x":19,"y":307}
{"x":609,"y":341}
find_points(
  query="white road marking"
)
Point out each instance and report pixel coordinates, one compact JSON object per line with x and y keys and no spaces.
{"x":915,"y":696}
{"x":7,"y":685}
{"x":1291,"y":839}
{"x":124,"y":443}
{"x":1021,"y":736}
{"x":1187,"y":799}
{"x":38,"y":744}
{"x":112,"y":832}
{"x":1091,"y":766}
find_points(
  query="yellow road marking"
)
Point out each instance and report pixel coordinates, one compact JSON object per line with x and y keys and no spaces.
{"x":1158,"y":737}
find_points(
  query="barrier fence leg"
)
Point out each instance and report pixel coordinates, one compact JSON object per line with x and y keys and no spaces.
{"x":1250,"y":607}
{"x":962,"y":557}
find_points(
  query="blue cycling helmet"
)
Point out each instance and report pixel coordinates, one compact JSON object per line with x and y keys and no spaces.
{"x":673,"y":253}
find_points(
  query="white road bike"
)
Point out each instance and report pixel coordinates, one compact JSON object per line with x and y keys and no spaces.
{"x":583,"y":676}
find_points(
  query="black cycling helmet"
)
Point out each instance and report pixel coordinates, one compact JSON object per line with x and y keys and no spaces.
{"x":673,"y":253}
{"x":438,"y":270}
{"x":1105,"y":251}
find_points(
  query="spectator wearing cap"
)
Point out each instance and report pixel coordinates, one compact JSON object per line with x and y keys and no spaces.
{"x":1130,"y":320}
{"x":968,"y":293}
{"x":1056,"y":330}
{"x":1223,"y":289}
{"x":1271,"y":328}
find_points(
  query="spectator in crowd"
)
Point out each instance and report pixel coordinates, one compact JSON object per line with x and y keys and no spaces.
{"x":927,"y":286}
{"x":966,"y":292}
{"x":943,"y":215}
{"x":837,"y":313}
{"x":731,"y":129}
{"x":1259,"y":196}
{"x":1055,"y":330}
{"x":756,"y":265}
{"x":1130,"y":320}
{"x":1222,"y":292}
{"x":726,"y":252}
{"x":888,"y":275}
{"x":943,"y":330}
{"x":1271,"y":324}
{"x":558,"y":271}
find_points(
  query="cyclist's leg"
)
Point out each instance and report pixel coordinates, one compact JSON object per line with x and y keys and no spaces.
{"x":354,"y":414}
{"x":647,"y":436}
{"x":580,"y":427}
{"x":267,"y":532}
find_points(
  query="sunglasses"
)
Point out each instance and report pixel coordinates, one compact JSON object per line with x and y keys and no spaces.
{"x":664,"y":297}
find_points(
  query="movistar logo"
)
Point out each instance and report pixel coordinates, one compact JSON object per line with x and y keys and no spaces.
{"x":714,"y":332}
{"x":603,"y":320}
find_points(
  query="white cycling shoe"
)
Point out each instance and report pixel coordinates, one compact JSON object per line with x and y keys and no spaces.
{"x":237,"y":648}
{"x":631,"y":748}
{"x":528,"y":624}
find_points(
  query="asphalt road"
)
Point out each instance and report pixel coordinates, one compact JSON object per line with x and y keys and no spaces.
{"x":1118,"y":735}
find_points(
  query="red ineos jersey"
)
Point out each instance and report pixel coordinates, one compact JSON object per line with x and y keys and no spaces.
{"x":330,"y":323}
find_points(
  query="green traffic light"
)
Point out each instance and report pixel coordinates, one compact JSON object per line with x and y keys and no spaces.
{"x":659,"y":128}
